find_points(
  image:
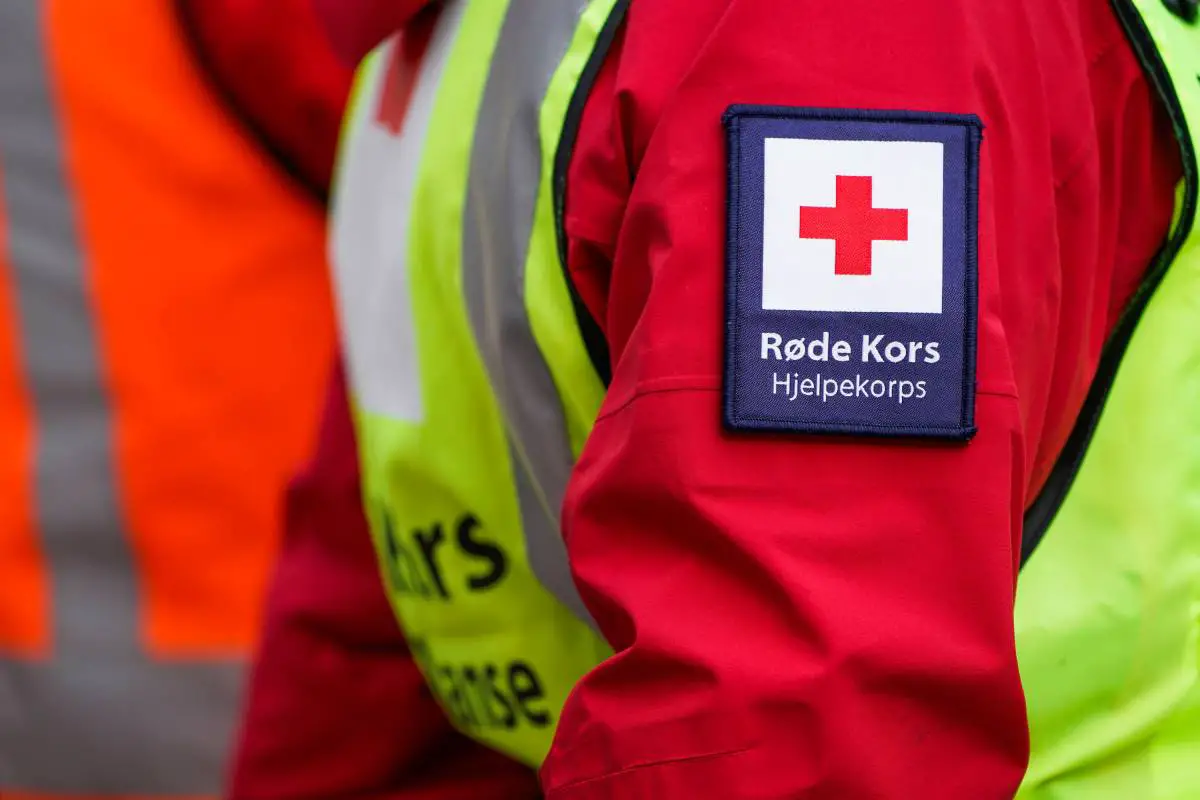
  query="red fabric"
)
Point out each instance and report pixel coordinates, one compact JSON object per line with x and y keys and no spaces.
{"x":274,"y":62}
{"x":355,"y":26}
{"x":805,"y":617}
{"x":793,"y":616}
{"x":336,"y":706}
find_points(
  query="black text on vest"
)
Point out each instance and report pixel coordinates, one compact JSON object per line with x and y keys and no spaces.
{"x":415,"y":566}
{"x":485,"y":695}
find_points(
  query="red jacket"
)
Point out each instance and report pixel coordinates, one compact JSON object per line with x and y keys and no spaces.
{"x":271,"y":62}
{"x":793,"y":616}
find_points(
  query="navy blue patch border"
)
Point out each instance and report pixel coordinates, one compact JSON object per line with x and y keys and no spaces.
{"x":731,"y":119}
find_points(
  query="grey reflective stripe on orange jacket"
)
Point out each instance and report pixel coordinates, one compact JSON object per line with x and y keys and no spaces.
{"x":99,"y":715}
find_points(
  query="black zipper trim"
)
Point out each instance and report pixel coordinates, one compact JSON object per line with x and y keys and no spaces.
{"x":283,"y":160}
{"x":1045,"y":507}
{"x":1186,"y":10}
{"x":594,"y":340}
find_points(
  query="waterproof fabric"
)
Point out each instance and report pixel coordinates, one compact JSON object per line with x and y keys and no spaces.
{"x":774,"y":635}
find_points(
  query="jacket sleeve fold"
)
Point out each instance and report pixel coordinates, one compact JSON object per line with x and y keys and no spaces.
{"x":793,"y":615}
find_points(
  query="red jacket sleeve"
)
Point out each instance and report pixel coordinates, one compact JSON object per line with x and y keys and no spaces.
{"x":274,"y":66}
{"x":336,"y":706}
{"x":796,"y":616}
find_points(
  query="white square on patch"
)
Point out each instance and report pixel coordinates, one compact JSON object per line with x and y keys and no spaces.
{"x":801,"y":274}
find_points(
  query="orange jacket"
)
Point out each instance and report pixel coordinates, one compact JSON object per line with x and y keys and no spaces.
{"x":164,"y":327}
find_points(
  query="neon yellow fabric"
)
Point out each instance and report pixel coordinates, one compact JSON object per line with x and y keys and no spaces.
{"x":547,"y":297}
{"x":1108,"y":607}
{"x":500,"y":651}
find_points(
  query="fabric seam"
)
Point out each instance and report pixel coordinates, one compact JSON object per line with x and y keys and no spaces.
{"x":652,"y":764}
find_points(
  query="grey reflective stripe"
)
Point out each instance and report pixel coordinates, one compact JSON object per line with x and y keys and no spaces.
{"x":74,"y":492}
{"x":99,"y":716}
{"x":118,"y":725}
{"x":505,"y":172}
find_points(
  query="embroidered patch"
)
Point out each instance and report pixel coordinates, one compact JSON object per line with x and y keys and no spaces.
{"x":851,"y":271}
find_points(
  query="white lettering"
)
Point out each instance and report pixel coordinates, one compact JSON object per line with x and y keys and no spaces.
{"x":823,"y":343}
{"x":895,"y":352}
{"x":871,"y":348}
{"x":771,"y":342}
{"x":791,"y":386}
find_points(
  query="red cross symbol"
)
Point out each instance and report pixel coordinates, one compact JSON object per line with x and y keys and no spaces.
{"x":853,"y":224}
{"x":400,"y":77}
